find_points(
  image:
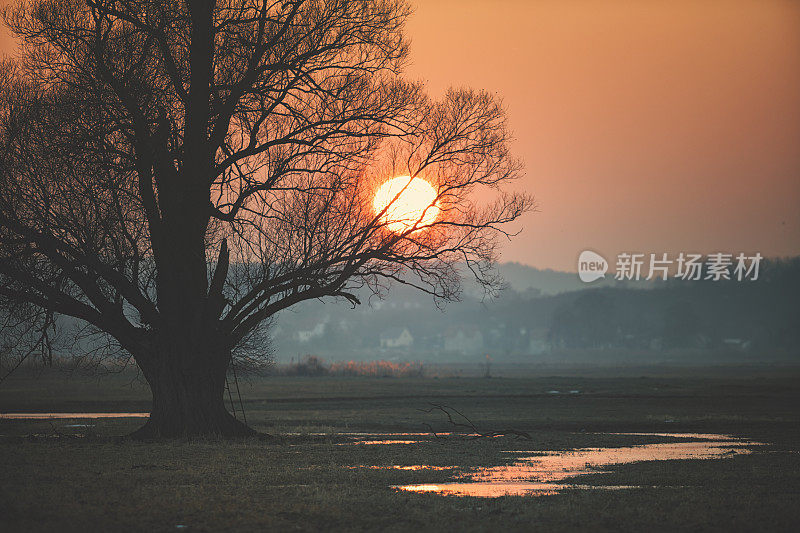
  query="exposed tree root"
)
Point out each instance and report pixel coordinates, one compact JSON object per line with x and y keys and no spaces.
{"x":226,"y":427}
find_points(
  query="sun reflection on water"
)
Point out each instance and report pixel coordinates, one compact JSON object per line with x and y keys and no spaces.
{"x":546,"y":472}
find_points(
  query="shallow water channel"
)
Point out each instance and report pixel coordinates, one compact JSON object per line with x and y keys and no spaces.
{"x":537,"y":473}
{"x":531,"y":473}
{"x":68,"y":416}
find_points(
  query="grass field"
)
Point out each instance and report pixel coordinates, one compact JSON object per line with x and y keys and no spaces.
{"x":310,"y":477}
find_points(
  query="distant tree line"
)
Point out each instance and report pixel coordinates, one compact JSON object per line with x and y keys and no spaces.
{"x":749,"y":316}
{"x":760,"y":315}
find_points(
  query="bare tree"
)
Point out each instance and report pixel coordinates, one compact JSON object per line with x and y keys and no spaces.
{"x":174,"y":173}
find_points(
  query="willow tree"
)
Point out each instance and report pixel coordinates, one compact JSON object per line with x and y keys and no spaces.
{"x":174,"y":173}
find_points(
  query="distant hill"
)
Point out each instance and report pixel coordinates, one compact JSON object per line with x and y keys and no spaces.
{"x":524,"y":278}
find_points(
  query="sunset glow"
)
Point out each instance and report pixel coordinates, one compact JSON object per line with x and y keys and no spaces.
{"x":411,"y":202}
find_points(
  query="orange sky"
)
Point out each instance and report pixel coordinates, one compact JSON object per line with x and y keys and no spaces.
{"x":647,"y":126}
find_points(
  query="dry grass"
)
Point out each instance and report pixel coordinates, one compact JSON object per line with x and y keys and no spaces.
{"x":304,"y":483}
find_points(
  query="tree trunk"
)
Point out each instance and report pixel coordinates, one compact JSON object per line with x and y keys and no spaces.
{"x":188,"y":395}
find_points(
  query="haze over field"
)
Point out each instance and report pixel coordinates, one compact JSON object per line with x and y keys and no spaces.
{"x":548,"y":317}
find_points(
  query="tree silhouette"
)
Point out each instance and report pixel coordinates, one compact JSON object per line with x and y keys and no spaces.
{"x":174,"y":173}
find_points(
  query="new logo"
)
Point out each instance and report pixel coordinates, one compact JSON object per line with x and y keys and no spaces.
{"x":591,"y":266}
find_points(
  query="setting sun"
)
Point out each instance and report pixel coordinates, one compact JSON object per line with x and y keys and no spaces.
{"x":410,"y":202}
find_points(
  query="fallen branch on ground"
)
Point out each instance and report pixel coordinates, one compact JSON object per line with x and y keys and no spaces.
{"x":468,"y":424}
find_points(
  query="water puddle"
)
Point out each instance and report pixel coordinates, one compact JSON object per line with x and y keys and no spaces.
{"x":377,"y":442}
{"x":693,"y":436}
{"x":495,"y":490}
{"x":544,"y":473}
{"x":405,"y":467}
{"x":393,"y":438}
{"x":68,"y":416}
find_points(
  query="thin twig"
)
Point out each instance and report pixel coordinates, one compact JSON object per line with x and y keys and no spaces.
{"x":476,"y":433}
